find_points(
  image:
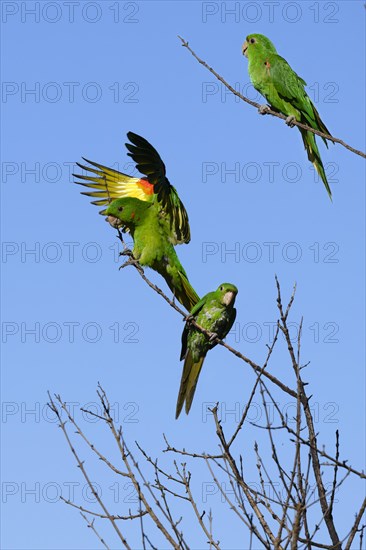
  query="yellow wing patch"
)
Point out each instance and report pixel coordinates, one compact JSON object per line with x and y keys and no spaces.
{"x":109,"y":184}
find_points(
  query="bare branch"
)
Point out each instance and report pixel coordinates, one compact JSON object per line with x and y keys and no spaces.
{"x":355,"y":527}
{"x":126,"y":455}
{"x":80,"y":464}
{"x":276,"y":512}
{"x":246,"y":410}
{"x":310,"y":424}
{"x":91,"y":526}
{"x":331,"y":503}
{"x":186,"y":478}
{"x":102,"y":516}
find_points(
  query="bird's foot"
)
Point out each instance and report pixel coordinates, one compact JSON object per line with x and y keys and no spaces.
{"x":213,"y":337}
{"x":126,"y":252}
{"x":188,"y":319}
{"x":132,"y":261}
{"x":263,"y":109}
{"x":290,"y":121}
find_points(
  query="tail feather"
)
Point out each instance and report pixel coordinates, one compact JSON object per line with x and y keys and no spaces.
{"x":190,"y":375}
{"x":321,"y":126}
{"x":178,"y":283}
{"x":314,"y":157}
{"x":188,"y":297}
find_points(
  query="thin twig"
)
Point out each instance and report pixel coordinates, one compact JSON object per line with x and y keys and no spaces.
{"x":80,"y":464}
{"x":259,"y":374}
{"x":186,"y":478}
{"x":125,"y":455}
{"x":102,"y":516}
{"x":91,"y":526}
{"x":311,"y":431}
{"x":331,"y":503}
{"x":355,"y":526}
{"x":266,"y":528}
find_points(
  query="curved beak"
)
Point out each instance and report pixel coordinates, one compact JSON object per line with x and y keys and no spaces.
{"x":229,"y":297}
{"x":114,"y":222}
{"x":244,"y":49}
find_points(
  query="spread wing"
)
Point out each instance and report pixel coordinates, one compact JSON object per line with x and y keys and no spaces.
{"x":149,"y":163}
{"x":109,"y":184}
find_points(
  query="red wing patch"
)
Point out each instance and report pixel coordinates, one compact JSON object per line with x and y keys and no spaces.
{"x":147,"y":187}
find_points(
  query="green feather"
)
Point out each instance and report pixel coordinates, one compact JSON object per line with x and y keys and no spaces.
{"x":152,"y":246}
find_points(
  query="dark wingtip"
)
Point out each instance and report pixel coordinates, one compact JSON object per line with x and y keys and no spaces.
{"x":82,"y":166}
{"x":87,"y":160}
{"x":131,"y":135}
{"x":135,"y":139}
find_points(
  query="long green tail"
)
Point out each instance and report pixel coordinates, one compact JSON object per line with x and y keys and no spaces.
{"x":188,"y":297}
{"x":191,"y":372}
{"x":178,"y":283}
{"x":314,"y":156}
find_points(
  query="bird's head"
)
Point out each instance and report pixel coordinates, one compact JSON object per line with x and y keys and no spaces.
{"x":227,"y":293}
{"x":128,"y":210}
{"x":257,"y":42}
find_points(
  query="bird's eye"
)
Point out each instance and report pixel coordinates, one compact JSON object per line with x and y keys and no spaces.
{"x":120,"y":208}
{"x":252,"y":40}
{"x":220,"y":287}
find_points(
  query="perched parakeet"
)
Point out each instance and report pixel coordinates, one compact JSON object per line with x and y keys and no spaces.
{"x":148,"y":207}
{"x":150,"y":230}
{"x":215,"y":312}
{"x":284,"y":90}
{"x":109,"y":184}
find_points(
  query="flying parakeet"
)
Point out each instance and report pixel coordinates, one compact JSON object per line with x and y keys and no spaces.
{"x":215,"y":312}
{"x":148,"y":207}
{"x":284,"y":90}
{"x":150,"y":230}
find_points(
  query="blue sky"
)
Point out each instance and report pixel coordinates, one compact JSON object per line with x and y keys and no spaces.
{"x":75,"y":80}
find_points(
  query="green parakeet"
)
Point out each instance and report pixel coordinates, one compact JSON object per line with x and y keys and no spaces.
{"x":215,"y":312}
{"x":109,"y":184}
{"x":149,"y":208}
{"x":284,"y":90}
{"x":150,"y":228}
